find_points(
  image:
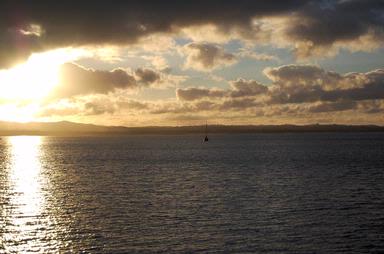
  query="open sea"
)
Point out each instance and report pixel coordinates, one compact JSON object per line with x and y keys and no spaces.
{"x":258,"y":193}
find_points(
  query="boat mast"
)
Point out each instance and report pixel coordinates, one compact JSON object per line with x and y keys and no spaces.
{"x":206,"y":131}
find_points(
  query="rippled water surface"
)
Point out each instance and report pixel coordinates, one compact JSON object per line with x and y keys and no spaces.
{"x":262,"y":193}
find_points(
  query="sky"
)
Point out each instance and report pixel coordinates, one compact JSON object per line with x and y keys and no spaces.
{"x":152,"y":63}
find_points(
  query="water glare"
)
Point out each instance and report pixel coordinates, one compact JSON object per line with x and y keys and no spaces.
{"x":24,"y":216}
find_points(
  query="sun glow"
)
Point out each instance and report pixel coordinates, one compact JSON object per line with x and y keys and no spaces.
{"x":34,"y":79}
{"x":24,"y":86}
{"x":17,"y":113}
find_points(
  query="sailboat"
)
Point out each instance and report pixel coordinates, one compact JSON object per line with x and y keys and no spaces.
{"x":206,"y":132}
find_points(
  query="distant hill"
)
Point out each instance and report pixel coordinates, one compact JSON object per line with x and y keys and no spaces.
{"x":70,"y":128}
{"x":61,"y":128}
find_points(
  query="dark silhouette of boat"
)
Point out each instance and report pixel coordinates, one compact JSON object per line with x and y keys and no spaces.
{"x":206,"y":139}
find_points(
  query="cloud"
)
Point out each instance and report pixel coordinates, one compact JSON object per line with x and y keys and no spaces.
{"x":311,"y":27}
{"x":157,"y":79}
{"x":332,"y":106}
{"x":133,"y":104}
{"x":77,"y":80}
{"x":304,"y":88}
{"x":242,"y":88}
{"x":239,"y":88}
{"x":303,"y":83}
{"x":298,"y":94}
{"x":207,"y":56}
{"x":190,"y":94}
{"x":158,"y":62}
{"x":92,"y":105}
{"x":61,"y":111}
{"x":323,"y":24}
{"x":307,"y":75}
{"x":246,"y":53}
{"x":147,"y":76}
{"x":69,"y":23}
{"x":98,"y":108}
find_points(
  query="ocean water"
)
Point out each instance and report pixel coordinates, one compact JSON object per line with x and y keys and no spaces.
{"x":260,"y":193}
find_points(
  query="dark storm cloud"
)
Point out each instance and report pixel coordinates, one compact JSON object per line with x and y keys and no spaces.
{"x":322,"y":23}
{"x":30,"y":26}
{"x":15,"y":46}
{"x":76,"y":23}
{"x":77,"y":80}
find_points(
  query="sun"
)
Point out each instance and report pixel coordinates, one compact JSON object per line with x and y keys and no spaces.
{"x":34,"y":79}
{"x":24,"y":86}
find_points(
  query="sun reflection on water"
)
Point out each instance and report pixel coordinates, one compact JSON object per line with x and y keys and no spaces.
{"x":25,"y":175}
{"x":26,"y":220}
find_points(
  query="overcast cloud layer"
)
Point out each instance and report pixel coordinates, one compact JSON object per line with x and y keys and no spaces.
{"x":27,"y":26}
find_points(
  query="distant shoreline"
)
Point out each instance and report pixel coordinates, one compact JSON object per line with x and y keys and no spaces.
{"x":78,"y":129}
